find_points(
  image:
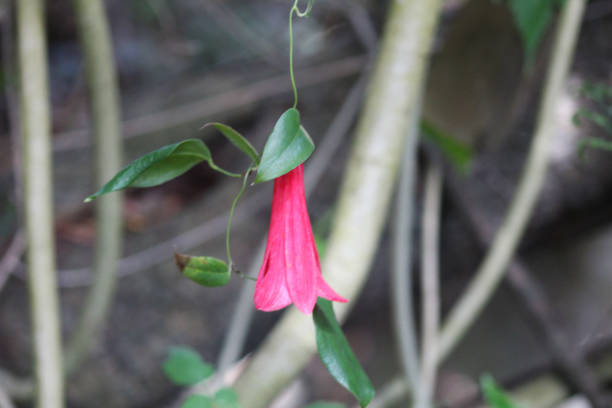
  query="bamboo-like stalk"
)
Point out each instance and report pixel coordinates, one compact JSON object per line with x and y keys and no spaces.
{"x":402,"y":301}
{"x":105,"y":117}
{"x":38,"y":204}
{"x":430,"y":281}
{"x":364,"y":195}
{"x":496,"y":262}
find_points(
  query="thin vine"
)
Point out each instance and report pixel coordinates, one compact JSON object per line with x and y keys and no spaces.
{"x":229,"y":223}
{"x":306,"y":13}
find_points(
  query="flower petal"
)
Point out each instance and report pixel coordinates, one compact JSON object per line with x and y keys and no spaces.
{"x":271,"y":290}
{"x":300,"y":260}
{"x":326,"y":292}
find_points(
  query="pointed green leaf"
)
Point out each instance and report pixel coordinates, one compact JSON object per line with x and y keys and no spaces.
{"x":288,"y":146}
{"x":456,"y":151}
{"x":226,"y":398}
{"x":205,"y":270}
{"x":603,"y":121}
{"x":160,"y":166}
{"x":495,"y":397}
{"x":237,"y":139}
{"x":184,"y":366}
{"x":336,"y":353}
{"x":532,"y":18}
{"x":597,"y":91}
{"x":595,"y":143}
{"x":198,"y":401}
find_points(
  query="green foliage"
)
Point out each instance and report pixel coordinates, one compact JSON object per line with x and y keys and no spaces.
{"x":198,"y":401}
{"x":8,"y":217}
{"x":595,"y":143}
{"x":287,"y":147}
{"x":457,"y":152}
{"x":237,"y":140}
{"x":600,"y":115}
{"x":599,"y":119}
{"x":532,"y":18}
{"x":226,"y":398}
{"x":204,"y":270}
{"x":160,"y":166}
{"x":495,"y":397}
{"x":184,"y":366}
{"x":336,"y":353}
{"x":324,"y":404}
{"x":598,"y":92}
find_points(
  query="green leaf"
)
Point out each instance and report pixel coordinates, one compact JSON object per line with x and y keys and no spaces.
{"x":597,"y":118}
{"x":226,"y":398}
{"x":596,"y":91}
{"x":198,"y":401}
{"x":205,"y":270}
{"x":287,"y":147}
{"x":457,"y":152}
{"x":162,"y":165}
{"x":495,"y":397}
{"x":336,"y":353}
{"x":237,"y":139}
{"x":184,"y":366}
{"x":595,"y":143}
{"x":532,"y":18}
{"x":324,"y":404}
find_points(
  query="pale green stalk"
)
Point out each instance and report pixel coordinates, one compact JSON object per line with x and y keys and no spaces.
{"x":38,"y":204}
{"x":402,"y":301}
{"x":430,"y":281}
{"x":105,"y":118}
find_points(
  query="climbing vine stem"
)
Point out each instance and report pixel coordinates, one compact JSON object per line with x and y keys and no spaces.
{"x":295,"y":9}
{"x":231,"y":215}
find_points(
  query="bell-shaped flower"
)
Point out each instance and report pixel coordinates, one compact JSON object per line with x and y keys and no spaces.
{"x":291,"y":271}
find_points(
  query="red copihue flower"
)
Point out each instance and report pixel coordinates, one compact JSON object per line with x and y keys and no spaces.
{"x":291,"y":271}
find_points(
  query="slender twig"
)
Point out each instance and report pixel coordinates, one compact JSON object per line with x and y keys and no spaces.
{"x":542,"y":390}
{"x":233,"y":25}
{"x":498,"y":258}
{"x":38,"y":203}
{"x":364,"y":196}
{"x":230,"y":216}
{"x":430,"y":280}
{"x":390,"y":394}
{"x":571,"y":363}
{"x":104,"y":96}
{"x":360,"y":22}
{"x":242,"y":316}
{"x":220,"y":104}
{"x":401,"y":289}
